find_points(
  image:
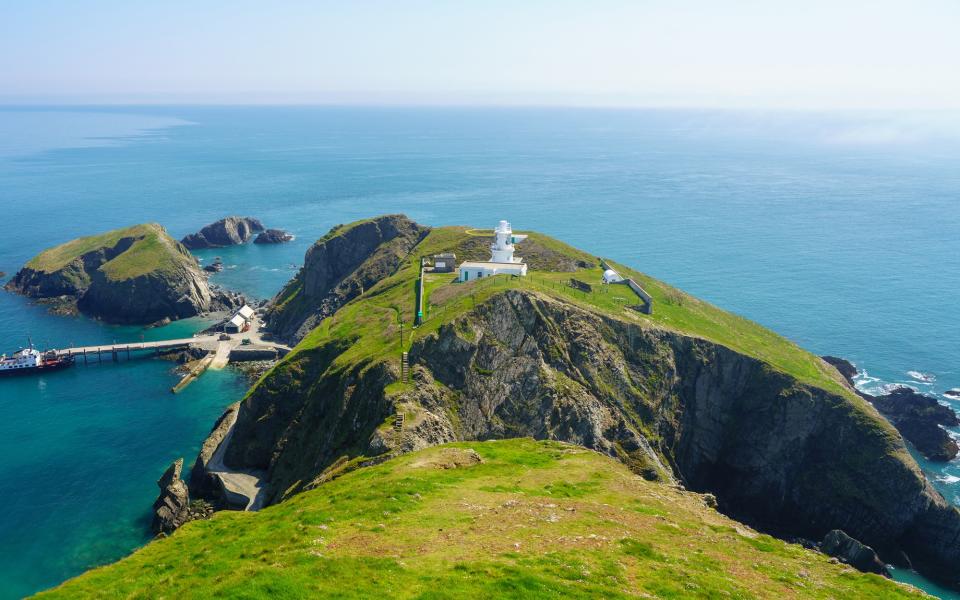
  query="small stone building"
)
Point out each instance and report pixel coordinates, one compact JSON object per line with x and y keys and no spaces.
{"x":444,"y":263}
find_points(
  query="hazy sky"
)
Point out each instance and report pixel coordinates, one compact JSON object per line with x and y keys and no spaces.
{"x":877,"y":54}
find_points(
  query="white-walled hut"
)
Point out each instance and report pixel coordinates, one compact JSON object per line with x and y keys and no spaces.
{"x":235,"y":325}
{"x":240,"y":321}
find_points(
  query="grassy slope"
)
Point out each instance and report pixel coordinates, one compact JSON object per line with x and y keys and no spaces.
{"x":372,"y":318}
{"x":534,"y":520}
{"x":154,"y":250}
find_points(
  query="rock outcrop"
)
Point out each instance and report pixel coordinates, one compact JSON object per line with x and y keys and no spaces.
{"x":230,"y":231}
{"x":273,"y":236}
{"x":215,"y":267}
{"x":863,"y":558}
{"x":338,"y":268}
{"x":844,"y":366}
{"x":784,"y":456}
{"x":202,"y":483}
{"x":918,"y":417}
{"x":136,"y":275}
{"x":171,"y":508}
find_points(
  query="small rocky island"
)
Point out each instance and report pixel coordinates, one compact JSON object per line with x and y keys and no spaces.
{"x":230,"y":231}
{"x":134,"y":275}
{"x":273,"y":236}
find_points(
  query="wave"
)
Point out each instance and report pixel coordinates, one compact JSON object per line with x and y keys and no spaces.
{"x":948,"y":479}
{"x":875,"y":386}
{"x":922,"y":377}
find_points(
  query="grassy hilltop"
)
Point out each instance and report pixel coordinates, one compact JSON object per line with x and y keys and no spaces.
{"x":136,"y":274}
{"x":532,"y":520}
{"x":151,"y":250}
{"x":370,"y":322}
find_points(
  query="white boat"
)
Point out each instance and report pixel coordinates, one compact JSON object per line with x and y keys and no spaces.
{"x":30,"y":360}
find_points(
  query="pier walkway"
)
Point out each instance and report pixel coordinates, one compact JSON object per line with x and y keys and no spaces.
{"x":128,"y":347}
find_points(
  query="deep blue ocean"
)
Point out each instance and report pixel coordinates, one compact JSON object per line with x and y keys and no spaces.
{"x":841,"y":231}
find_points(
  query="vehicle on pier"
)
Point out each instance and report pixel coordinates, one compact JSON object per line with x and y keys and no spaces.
{"x":30,"y":360}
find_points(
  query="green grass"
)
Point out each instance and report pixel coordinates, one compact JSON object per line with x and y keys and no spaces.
{"x":371,"y":321}
{"x":533,"y":520}
{"x":152,"y":250}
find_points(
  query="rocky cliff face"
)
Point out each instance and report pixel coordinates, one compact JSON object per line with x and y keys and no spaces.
{"x":338,"y":268}
{"x":138,"y":275}
{"x":919,"y":418}
{"x":776,"y":453}
{"x":225,"y":232}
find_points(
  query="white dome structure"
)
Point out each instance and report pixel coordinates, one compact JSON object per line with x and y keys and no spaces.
{"x":611,"y":276}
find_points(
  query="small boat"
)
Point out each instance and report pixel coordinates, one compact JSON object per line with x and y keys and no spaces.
{"x":30,"y":360}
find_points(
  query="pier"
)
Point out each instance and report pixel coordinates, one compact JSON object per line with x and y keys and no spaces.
{"x":113,"y":351}
{"x":248,"y":345}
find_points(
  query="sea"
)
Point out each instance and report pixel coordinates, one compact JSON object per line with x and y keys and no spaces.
{"x":839,"y":230}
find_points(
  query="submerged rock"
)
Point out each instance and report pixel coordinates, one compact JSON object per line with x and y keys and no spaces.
{"x":229,"y":231}
{"x":135,"y":275}
{"x":214,"y":267}
{"x":273,"y":236}
{"x":952,"y":393}
{"x":859,"y":556}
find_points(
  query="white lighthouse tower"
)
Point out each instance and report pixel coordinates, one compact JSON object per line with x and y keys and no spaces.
{"x":501,"y":250}
{"x":502,"y":261}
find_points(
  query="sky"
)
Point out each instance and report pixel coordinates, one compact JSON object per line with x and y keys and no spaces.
{"x":881,"y":54}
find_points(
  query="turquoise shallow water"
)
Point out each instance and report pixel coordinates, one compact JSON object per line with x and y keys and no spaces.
{"x":837,"y":230}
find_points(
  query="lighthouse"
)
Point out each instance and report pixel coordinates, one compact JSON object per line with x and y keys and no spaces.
{"x":501,"y":250}
{"x":502,"y":261}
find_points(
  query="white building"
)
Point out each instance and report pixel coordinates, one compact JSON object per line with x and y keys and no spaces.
{"x":502,"y":261}
{"x":235,"y":325}
{"x":240,"y":321}
{"x":611,"y":276}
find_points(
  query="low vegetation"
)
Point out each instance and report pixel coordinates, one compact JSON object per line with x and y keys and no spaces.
{"x":151,"y":250}
{"x":510,"y":519}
